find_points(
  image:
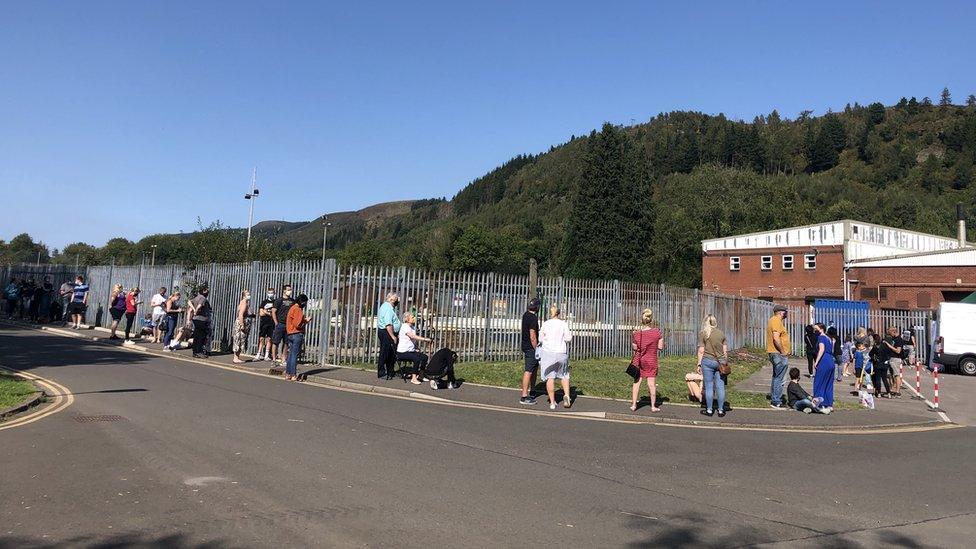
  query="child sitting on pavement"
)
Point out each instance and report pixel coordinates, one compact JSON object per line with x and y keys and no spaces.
{"x":799,"y":399}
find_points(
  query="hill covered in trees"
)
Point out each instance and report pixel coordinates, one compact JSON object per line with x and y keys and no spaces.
{"x":634,"y":202}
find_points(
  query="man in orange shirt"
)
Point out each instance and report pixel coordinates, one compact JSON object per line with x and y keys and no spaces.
{"x":778,"y":348}
{"x":295,"y":324}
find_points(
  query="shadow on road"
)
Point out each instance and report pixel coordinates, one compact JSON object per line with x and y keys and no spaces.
{"x":25,"y":349}
{"x":689,"y":530}
{"x":173,"y":541}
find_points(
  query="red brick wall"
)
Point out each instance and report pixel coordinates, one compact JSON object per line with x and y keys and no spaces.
{"x":786,"y":286}
{"x":914,"y":287}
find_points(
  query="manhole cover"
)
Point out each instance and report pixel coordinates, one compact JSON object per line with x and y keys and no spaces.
{"x":93,"y":419}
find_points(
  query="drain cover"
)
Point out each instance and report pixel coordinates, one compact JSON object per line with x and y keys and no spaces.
{"x":93,"y":419}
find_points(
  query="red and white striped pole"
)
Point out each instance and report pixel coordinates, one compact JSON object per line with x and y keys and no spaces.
{"x":918,"y":381}
{"x":935,"y":388}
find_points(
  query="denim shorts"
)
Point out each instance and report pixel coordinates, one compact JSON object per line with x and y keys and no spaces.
{"x":531,"y":362}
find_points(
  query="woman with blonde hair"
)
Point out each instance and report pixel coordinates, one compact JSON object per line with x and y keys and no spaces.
{"x":554,"y":356}
{"x":646,"y":341}
{"x":712,"y":349}
{"x":406,"y":350}
{"x":116,"y":307}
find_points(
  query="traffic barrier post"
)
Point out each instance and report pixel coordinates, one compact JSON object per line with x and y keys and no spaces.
{"x":918,"y":382}
{"x":935,"y":390}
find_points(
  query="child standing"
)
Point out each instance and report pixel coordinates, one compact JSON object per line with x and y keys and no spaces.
{"x":846,"y":355}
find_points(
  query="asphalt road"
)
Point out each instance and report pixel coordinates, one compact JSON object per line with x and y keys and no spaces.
{"x":206,"y":457}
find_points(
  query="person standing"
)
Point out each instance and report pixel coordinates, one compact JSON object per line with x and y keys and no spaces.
{"x":131,"y":306}
{"x":387,"y":327}
{"x":266,"y":325}
{"x":65,"y":292}
{"x":279,"y":312}
{"x":530,"y":342}
{"x":116,"y":307}
{"x":554,"y":356}
{"x":201,"y":313}
{"x":810,"y":347}
{"x":173,"y":310}
{"x":712,"y":348}
{"x":12,"y":293}
{"x":157,"y":302}
{"x":46,"y":297}
{"x":295,"y":323}
{"x":407,"y":347}
{"x":242,"y":326}
{"x":894,"y":347}
{"x":646,"y":342}
{"x":79,"y":301}
{"x":778,"y":348}
{"x":823,"y":379}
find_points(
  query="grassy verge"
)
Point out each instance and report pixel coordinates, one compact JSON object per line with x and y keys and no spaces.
{"x":13,"y":390}
{"x":605,"y":377}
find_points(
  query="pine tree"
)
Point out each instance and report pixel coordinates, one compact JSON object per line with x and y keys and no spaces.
{"x":607,"y":232}
{"x":971,"y":101}
{"x":945,"y":100}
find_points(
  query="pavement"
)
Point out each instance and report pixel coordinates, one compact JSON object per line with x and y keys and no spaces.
{"x":158,"y":451}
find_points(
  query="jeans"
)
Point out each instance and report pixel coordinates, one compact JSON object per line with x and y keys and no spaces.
{"x":130,"y":319}
{"x":419,"y":360}
{"x":712,"y":380}
{"x":780,"y":364}
{"x":170,"y":328}
{"x":806,"y":403}
{"x":294,"y":349}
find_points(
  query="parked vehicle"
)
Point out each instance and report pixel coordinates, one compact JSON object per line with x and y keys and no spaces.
{"x":956,"y":341}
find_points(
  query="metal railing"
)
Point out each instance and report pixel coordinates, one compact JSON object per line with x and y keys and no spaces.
{"x":476,"y":314}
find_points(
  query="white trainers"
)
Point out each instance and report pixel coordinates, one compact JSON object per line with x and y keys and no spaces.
{"x":567,"y":402}
{"x":451,"y":386}
{"x":552,"y":405}
{"x":433,"y":384}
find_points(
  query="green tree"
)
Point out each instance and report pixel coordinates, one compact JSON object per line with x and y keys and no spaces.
{"x":945,"y":100}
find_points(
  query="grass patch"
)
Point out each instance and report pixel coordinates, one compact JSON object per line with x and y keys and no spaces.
{"x":605,"y":377}
{"x":14,"y":390}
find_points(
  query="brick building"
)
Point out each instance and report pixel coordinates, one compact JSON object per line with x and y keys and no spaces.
{"x":914,"y":281}
{"x":800,"y":264}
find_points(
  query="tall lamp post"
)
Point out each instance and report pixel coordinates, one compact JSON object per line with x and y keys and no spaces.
{"x":251,"y":196}
{"x":153,"y":256}
{"x":325,"y":235}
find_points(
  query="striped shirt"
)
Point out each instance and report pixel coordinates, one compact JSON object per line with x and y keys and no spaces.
{"x":79,"y":292}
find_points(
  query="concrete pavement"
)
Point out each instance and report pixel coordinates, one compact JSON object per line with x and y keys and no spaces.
{"x":209,"y":457}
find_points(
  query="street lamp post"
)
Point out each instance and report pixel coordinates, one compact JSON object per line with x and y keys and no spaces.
{"x":153,"y":256}
{"x":325,"y":235}
{"x":251,"y":196}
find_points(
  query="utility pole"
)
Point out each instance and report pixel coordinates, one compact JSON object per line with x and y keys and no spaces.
{"x":325,"y":235}
{"x":38,"y":258}
{"x":251,"y":196}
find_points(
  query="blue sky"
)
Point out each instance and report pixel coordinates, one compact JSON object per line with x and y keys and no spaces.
{"x":127,"y":118}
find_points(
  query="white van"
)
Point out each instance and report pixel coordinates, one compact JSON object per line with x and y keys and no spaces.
{"x":956,"y":343}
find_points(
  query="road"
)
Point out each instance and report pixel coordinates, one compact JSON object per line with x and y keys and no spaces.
{"x":206,"y":457}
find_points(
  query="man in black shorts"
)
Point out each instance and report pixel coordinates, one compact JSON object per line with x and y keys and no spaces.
{"x":279,"y":313}
{"x":266,"y":325}
{"x":530,"y":340}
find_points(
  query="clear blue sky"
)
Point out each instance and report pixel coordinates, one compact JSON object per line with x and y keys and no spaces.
{"x":126,"y":118}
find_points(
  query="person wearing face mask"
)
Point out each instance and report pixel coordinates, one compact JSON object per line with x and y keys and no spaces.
{"x":279,"y":313}
{"x":387,"y":328}
{"x":242,"y":326}
{"x":266,"y":325}
{"x":201,"y":313}
{"x":295,"y":322}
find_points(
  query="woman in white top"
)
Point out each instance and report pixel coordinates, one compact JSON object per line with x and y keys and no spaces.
{"x":158,"y":314}
{"x":554,"y":356}
{"x":407,"y":347}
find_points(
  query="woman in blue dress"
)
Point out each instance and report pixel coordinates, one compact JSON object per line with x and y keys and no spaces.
{"x":823,"y":380}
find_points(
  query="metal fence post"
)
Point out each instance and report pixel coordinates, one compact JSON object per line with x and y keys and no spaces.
{"x":486,"y":351}
{"x":325,"y":322}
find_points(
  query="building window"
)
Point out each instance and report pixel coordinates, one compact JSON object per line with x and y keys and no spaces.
{"x":810,"y":262}
{"x":766,"y":263}
{"x":734,"y":263}
{"x":787,"y":262}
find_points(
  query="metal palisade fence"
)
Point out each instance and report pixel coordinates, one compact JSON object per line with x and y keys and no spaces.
{"x":476,"y":314}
